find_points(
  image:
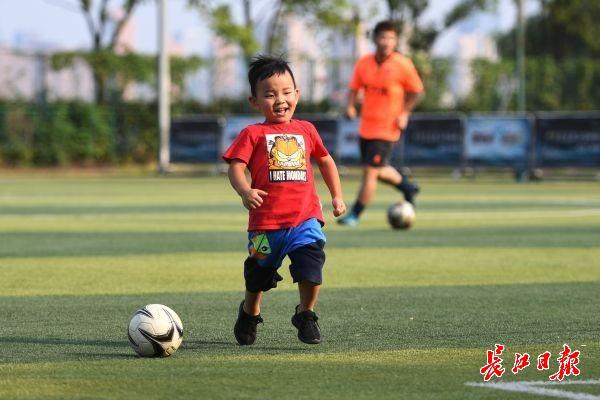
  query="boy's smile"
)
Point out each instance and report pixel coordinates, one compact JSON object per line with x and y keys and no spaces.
{"x":276,"y":98}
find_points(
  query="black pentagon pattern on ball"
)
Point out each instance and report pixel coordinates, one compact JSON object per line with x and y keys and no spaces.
{"x":157,"y":340}
{"x":144,"y":311}
{"x":174,"y":323}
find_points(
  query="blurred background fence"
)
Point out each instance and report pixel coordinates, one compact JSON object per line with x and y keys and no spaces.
{"x":49,"y":116}
{"x":96,"y":104}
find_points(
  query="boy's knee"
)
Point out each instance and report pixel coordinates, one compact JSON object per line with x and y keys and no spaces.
{"x":259,"y":279}
{"x":307,"y":263}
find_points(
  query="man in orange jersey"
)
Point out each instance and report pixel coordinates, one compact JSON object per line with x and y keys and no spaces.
{"x":392,"y":88}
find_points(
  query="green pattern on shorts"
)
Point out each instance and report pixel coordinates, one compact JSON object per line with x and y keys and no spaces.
{"x":261,"y":243}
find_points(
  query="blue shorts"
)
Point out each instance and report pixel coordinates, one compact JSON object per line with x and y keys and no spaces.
{"x":303,"y":244}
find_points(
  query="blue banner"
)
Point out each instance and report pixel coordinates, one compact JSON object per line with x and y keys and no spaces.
{"x":234,"y":125}
{"x":196,"y":139}
{"x":432,"y":139}
{"x":571,"y":140}
{"x":348,"y":140}
{"x":498,"y":140}
{"x":327,"y":126}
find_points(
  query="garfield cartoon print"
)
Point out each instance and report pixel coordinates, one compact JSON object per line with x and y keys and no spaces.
{"x":287,"y":157}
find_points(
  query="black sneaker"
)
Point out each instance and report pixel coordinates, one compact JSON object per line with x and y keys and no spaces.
{"x":307,"y":325}
{"x":411,"y":191}
{"x":245,"y":327}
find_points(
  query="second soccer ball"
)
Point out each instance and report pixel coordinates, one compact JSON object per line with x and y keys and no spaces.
{"x":401,"y":215}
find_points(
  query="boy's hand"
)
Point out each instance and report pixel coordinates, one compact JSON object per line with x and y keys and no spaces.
{"x":253,"y":198}
{"x":339,"y":207}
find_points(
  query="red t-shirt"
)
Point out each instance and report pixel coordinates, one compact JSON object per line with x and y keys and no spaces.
{"x":278,"y":157}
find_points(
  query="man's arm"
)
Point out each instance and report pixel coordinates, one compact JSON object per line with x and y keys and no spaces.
{"x":411,"y":100}
{"x":332,"y":180}
{"x":251,"y":198}
{"x":351,"y":107}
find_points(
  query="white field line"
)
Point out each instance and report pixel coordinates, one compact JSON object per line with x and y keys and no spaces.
{"x":537,"y":388}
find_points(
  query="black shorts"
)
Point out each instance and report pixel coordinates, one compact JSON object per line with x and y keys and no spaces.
{"x":307,"y":265}
{"x":375,"y":152}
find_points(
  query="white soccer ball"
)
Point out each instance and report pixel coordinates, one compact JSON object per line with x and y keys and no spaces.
{"x":401,"y":215}
{"x":155,"y":331}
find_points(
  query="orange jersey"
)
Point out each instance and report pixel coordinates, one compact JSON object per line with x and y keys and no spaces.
{"x":384,"y":86}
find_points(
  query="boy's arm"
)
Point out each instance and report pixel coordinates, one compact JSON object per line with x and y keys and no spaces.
{"x":332,"y":180}
{"x":251,"y":198}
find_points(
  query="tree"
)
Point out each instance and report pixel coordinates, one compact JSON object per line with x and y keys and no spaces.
{"x":562,"y":29}
{"x":267,"y":16}
{"x":408,"y":14}
{"x":104,"y":32}
{"x":105,"y":63}
{"x":124,"y":69}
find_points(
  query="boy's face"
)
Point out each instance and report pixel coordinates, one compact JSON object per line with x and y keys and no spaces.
{"x":276,"y":98}
{"x":386,"y":43}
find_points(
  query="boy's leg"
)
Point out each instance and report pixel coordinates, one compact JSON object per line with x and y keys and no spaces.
{"x":245,"y":326}
{"x":252,"y":302}
{"x":309,"y":293}
{"x":306,"y":269}
{"x":260,"y":275}
{"x":305,"y":319}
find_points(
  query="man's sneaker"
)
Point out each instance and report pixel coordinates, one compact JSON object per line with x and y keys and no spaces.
{"x":245,"y":327}
{"x":349,"y":220}
{"x":411,"y":192}
{"x":307,"y":325}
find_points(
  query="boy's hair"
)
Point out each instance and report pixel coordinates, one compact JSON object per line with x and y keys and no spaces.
{"x":384,"y":26}
{"x":263,"y":67}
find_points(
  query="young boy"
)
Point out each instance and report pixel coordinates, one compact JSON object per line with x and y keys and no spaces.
{"x":285,"y":211}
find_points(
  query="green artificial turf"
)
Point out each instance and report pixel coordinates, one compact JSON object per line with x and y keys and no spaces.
{"x":403,"y":314}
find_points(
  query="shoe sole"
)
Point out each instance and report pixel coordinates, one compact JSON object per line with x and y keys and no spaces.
{"x":302,"y":339}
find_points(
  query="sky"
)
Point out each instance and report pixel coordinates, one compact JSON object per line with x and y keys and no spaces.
{"x":23,"y":22}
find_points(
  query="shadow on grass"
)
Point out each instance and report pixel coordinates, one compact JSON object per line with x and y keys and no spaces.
{"x":62,"y":341}
{"x":352,"y":320}
{"x":232,"y":346}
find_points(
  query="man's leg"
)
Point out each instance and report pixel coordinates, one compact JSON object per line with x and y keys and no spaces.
{"x":365,"y":195}
{"x":391,"y":176}
{"x":368,"y":185}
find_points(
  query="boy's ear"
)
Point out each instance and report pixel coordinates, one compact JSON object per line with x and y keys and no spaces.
{"x":252,"y":101}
